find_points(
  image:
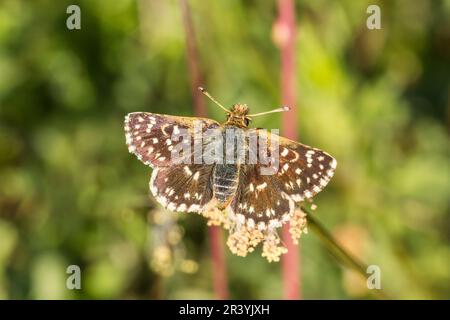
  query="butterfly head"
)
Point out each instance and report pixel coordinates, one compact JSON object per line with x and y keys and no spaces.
{"x":238,"y":116}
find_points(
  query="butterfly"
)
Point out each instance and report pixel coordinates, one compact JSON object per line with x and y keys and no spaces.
{"x":238,"y":188}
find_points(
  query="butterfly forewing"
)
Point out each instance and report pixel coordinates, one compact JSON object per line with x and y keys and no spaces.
{"x":152,"y":137}
{"x":303,"y":171}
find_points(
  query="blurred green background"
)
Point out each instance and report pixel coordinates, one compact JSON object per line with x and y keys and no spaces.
{"x":70,"y":193}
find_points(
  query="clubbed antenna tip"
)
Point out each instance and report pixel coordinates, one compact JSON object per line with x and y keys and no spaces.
{"x":212,"y":99}
{"x":281,"y":109}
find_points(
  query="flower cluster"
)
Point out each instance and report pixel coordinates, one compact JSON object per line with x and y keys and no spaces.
{"x":244,"y":240}
{"x":298,"y":225}
{"x":245,"y":234}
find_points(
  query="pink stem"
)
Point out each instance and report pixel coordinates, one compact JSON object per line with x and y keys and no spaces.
{"x":219,"y":264}
{"x":196,"y":78}
{"x":285,"y":32}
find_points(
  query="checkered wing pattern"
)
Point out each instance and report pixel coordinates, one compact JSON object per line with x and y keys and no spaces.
{"x":184,"y":188}
{"x":152,"y":137}
{"x":259,"y":198}
{"x":302,"y":172}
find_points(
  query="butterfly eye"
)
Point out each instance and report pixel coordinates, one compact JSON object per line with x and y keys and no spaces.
{"x":246,"y":121}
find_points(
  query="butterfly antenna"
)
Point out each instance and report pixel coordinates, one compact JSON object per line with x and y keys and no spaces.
{"x":206,"y":93}
{"x":282,"y":109}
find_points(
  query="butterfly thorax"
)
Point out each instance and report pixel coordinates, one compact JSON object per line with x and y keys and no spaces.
{"x":238,"y":116}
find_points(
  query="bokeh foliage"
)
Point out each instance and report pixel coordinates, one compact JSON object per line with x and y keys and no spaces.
{"x":70,"y":193}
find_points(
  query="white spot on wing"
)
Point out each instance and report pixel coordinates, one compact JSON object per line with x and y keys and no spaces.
{"x":194,"y":208}
{"x":333,"y":164}
{"x":262,"y":186}
{"x":187,"y":170}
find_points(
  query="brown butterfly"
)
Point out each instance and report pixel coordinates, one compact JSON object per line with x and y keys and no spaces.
{"x":239,"y":188}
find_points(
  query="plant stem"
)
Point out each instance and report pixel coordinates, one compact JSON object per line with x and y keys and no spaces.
{"x":219,"y":271}
{"x":284,"y":29}
{"x":219,"y":263}
{"x":338,"y":251}
{"x":196,"y":77}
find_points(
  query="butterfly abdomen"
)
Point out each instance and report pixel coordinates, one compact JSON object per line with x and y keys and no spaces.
{"x":225,"y":182}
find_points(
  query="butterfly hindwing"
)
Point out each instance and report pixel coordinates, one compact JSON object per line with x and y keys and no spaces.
{"x":259,"y":199}
{"x":184,"y":188}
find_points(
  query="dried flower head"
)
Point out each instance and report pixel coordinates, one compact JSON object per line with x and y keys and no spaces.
{"x":244,"y":239}
{"x":245,"y":234}
{"x":298,"y":225}
{"x":272,"y":250}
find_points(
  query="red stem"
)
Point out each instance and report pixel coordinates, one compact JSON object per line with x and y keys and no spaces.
{"x":284,"y":34}
{"x":195,"y":74}
{"x":219,"y":264}
{"x":196,"y":79}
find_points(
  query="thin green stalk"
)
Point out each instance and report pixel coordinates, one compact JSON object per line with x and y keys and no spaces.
{"x":339,"y":252}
